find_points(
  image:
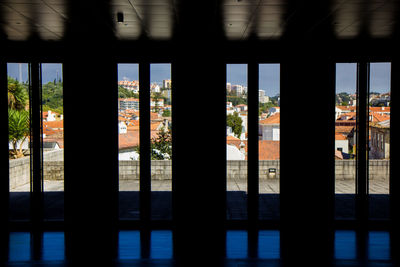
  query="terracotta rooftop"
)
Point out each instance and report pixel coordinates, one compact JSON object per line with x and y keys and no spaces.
{"x":274,"y":119}
{"x":268,"y":150}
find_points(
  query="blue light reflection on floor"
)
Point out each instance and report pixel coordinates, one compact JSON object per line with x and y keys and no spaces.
{"x":269,"y":244}
{"x":161,"y":244}
{"x":345,"y":245}
{"x":236,"y":244}
{"x":53,"y":246}
{"x":129,"y":245}
{"x":378,"y":245}
{"x":20,"y":246}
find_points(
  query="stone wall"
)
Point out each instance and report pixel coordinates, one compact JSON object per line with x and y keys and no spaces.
{"x":53,"y":169}
{"x":19,"y":169}
{"x":19,"y":172}
{"x":160,"y":170}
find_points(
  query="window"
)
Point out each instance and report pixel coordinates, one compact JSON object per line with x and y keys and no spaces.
{"x":53,"y":140}
{"x":269,"y":140}
{"x":20,"y":145}
{"x":379,"y":152}
{"x":36,"y":141}
{"x":161,"y":141}
{"x":236,"y":141}
{"x":345,"y":139}
{"x":129,"y":141}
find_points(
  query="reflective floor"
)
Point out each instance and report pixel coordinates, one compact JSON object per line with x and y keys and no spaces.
{"x":377,"y":250}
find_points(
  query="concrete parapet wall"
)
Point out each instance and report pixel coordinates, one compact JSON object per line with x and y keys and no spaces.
{"x":160,"y":170}
{"x":379,"y":169}
{"x":53,"y":169}
{"x":19,"y":172}
{"x":19,"y":169}
{"x":345,"y":169}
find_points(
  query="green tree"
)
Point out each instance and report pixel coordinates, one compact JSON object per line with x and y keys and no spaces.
{"x":161,"y":146}
{"x":156,"y":99}
{"x":18,"y":117}
{"x":125,"y":93}
{"x":52,"y":96}
{"x":236,"y":100}
{"x":18,"y":130}
{"x":166,"y":113}
{"x":235,"y":122}
{"x":17,"y":95}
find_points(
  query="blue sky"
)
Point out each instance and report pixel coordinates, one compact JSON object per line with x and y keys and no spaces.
{"x":346,"y":77}
{"x":236,"y":74}
{"x":269,"y":76}
{"x":158,"y":72}
{"x":50,"y":71}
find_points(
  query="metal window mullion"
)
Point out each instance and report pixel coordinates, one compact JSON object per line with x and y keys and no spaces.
{"x":5,"y":183}
{"x":145,"y":144}
{"x":36,"y":144}
{"x":252,"y":141}
{"x":362,"y":142}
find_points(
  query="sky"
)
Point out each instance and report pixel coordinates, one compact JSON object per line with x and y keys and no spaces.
{"x":236,"y":74}
{"x":269,"y":76}
{"x":50,"y":71}
{"x":158,"y":72}
{"x":346,"y":77}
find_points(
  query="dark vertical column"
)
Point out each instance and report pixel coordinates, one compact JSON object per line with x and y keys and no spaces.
{"x":362,"y":144}
{"x":394,"y":156}
{"x":4,"y":183}
{"x":90,"y":134}
{"x":252,"y":155}
{"x":252,"y":158}
{"x":145,"y":157}
{"x":36,"y":144}
{"x":91,"y":154}
{"x":36,"y":159}
{"x":199,"y":138}
{"x":307,"y":171}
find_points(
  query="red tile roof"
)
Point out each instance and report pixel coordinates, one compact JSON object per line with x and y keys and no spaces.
{"x":128,"y":140}
{"x":274,"y":119}
{"x":339,"y":136}
{"x":268,"y":150}
{"x":53,"y":124}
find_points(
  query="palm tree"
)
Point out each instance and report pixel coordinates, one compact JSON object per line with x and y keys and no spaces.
{"x":17,"y":95}
{"x":18,"y":130}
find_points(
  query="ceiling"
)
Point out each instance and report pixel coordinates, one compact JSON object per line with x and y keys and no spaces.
{"x":238,"y":19}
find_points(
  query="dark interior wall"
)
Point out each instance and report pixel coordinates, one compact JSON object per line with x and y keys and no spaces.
{"x":199,"y":55}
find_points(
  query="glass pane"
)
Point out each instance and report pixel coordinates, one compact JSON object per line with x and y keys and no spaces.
{"x":128,"y":140}
{"x":20,"y":247}
{"x":161,"y":245}
{"x":269,"y":140}
{"x":345,"y":143}
{"x":379,"y":246}
{"x":161,"y":141}
{"x":236,"y":141}
{"x":379,"y":140}
{"x":53,"y":246}
{"x":19,"y":140}
{"x":53,"y":140}
{"x":269,"y":244}
{"x":236,"y":244}
{"x":345,"y":245}
{"x":129,"y":245}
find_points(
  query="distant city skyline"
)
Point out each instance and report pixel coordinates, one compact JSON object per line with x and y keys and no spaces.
{"x":269,"y":78}
{"x":158,"y":72}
